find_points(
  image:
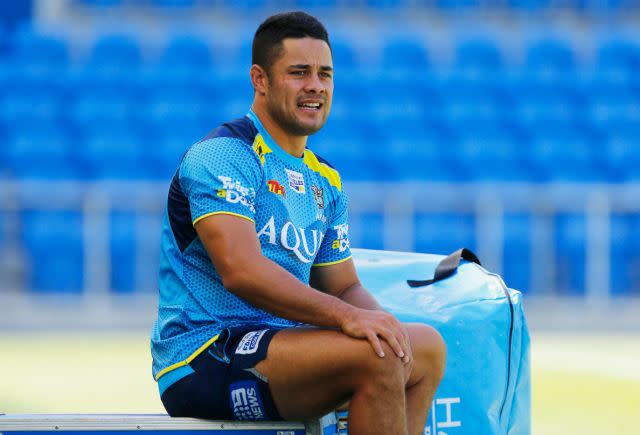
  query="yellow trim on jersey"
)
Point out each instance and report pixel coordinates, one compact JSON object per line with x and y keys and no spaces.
{"x":323,"y":169}
{"x":260,"y":147}
{"x":332,"y":262}
{"x":188,"y":360}
{"x":222,"y":212}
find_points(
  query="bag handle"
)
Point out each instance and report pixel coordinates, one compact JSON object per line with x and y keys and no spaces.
{"x":446,"y":267}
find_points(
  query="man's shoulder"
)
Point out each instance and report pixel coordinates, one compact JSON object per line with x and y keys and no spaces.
{"x":242,"y":129}
{"x":325,"y":169}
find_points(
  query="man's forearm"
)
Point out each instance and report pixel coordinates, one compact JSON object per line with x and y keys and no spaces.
{"x":360,"y":297}
{"x":272,"y":288}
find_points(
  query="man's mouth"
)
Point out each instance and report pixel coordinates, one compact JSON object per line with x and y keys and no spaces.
{"x":312,"y":106}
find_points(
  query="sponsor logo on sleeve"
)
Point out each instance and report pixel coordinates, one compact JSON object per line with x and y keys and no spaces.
{"x":250,"y":341}
{"x":296,"y":181}
{"x":246,"y":401}
{"x":342,"y":241}
{"x":277,"y":188}
{"x":235,"y":193}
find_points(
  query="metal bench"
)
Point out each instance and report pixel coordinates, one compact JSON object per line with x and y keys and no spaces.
{"x":153,"y":424}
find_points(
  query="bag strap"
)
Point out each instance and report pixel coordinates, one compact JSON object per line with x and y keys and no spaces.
{"x":446,"y":267}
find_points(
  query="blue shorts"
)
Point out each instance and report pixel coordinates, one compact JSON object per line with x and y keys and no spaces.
{"x":222,"y":383}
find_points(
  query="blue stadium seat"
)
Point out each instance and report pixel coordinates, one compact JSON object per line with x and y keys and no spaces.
{"x":39,"y":55}
{"x":123,"y":252}
{"x":99,"y":110}
{"x":471,"y":102}
{"x":28,"y":103}
{"x":619,"y":57}
{"x":478,"y":57}
{"x":41,"y":152}
{"x":625,"y":255}
{"x":456,"y":4}
{"x":529,"y":4}
{"x":404,"y":56}
{"x":570,"y":244}
{"x":103,"y":3}
{"x":420,"y":152}
{"x":366,"y":230}
{"x":621,"y":153}
{"x":490,"y":152}
{"x":54,"y":248}
{"x":612,"y":103}
{"x":565,"y":155}
{"x":395,"y":101}
{"x":326,"y":4}
{"x":114,"y":55}
{"x":186,"y":52}
{"x":548,"y":102}
{"x":344,"y":56}
{"x":549,"y":58}
{"x":517,"y":251}
{"x":116,"y":153}
{"x":444,"y":233}
{"x":174,"y":3}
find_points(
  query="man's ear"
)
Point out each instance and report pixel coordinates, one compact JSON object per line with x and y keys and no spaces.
{"x":259,"y":79}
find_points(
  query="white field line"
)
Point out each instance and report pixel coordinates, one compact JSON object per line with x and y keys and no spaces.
{"x":608,"y":356}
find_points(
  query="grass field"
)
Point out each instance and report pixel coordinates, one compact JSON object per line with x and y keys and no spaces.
{"x":581,"y":384}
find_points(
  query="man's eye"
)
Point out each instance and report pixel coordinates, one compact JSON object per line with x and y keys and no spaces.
{"x":298,"y":73}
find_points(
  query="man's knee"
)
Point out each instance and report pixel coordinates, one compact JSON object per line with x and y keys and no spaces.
{"x":429,"y":349}
{"x":387,"y":372}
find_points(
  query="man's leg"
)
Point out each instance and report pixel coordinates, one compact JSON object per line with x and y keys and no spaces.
{"x":429,"y":354}
{"x":312,"y":371}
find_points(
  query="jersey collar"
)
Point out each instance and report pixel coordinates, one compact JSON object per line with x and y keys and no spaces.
{"x":275,"y":148}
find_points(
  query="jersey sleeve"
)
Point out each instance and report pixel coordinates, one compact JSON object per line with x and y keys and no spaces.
{"x":221,"y":175}
{"x":335,"y":247}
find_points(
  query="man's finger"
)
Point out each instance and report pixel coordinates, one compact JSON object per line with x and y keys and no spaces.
{"x":391,"y":339}
{"x":375,"y":343}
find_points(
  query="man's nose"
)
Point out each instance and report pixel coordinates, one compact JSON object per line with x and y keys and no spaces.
{"x":314,"y":84}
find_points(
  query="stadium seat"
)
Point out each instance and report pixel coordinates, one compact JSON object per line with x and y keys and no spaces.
{"x":490,"y":152}
{"x":186,"y":52}
{"x":516,"y":251}
{"x":621,"y":153}
{"x":619,"y":58}
{"x":625,"y":241}
{"x":444,"y":233}
{"x":420,"y":152}
{"x":395,"y":101}
{"x":565,"y":155}
{"x":570,"y":244}
{"x":314,"y":4}
{"x":344,"y":56}
{"x":529,"y":4}
{"x":41,"y":152}
{"x":548,"y":102}
{"x":366,"y":230}
{"x":170,"y":4}
{"x":612,"y":103}
{"x":44,"y":231}
{"x":471,"y":102}
{"x":458,"y":4}
{"x":39,"y":55}
{"x":30,"y":103}
{"x":478,"y":57}
{"x":114,"y":55}
{"x":404,"y":56}
{"x":116,"y":153}
{"x":549,"y":58}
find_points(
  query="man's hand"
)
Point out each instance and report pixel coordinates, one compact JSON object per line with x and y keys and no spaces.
{"x":374,"y":325}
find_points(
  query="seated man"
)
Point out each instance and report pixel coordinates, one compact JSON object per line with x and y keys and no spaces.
{"x":261,"y":313}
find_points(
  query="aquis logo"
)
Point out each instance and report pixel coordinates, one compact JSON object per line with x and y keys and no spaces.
{"x":277,"y":188}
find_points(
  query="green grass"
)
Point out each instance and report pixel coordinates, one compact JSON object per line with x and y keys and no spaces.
{"x":581,"y":384}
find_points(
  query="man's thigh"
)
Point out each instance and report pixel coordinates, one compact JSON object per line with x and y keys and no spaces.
{"x":312,"y":371}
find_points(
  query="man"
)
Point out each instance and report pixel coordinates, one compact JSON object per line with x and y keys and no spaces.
{"x":261,"y":313}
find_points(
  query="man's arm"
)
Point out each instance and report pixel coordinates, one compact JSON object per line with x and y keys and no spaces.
{"x":235,"y":251}
{"x":341,"y":281}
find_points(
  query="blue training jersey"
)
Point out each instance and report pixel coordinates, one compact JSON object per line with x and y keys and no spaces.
{"x":300,"y":215}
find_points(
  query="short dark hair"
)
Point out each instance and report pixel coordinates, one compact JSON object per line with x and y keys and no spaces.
{"x":267,"y":42}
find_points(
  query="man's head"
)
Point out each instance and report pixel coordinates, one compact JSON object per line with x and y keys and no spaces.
{"x":292,"y":72}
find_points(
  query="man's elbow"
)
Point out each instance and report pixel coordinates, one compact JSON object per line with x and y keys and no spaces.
{"x":235,"y":274}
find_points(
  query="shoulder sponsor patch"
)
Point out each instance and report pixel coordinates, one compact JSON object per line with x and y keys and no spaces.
{"x":249,"y":343}
{"x":277,"y":188}
{"x":296,"y":181}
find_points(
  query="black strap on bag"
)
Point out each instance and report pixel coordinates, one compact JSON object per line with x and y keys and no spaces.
{"x":446,"y":267}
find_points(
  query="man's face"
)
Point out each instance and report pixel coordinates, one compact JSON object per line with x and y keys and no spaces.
{"x":301,"y":86}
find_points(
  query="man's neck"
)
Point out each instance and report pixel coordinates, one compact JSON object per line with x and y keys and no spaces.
{"x":293,"y":145}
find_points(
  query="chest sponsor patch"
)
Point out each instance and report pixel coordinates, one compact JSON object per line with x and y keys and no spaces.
{"x":249,"y":343}
{"x":296,"y":181}
{"x":277,"y":188}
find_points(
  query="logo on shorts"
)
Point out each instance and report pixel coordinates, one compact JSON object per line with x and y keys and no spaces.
{"x":250,"y":341}
{"x":246,"y":402}
{"x":296,"y":181}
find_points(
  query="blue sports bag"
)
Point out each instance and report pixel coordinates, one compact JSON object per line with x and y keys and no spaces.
{"x":486,"y":387}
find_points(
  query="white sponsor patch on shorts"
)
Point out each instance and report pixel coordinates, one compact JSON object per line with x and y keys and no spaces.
{"x":250,"y":341}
